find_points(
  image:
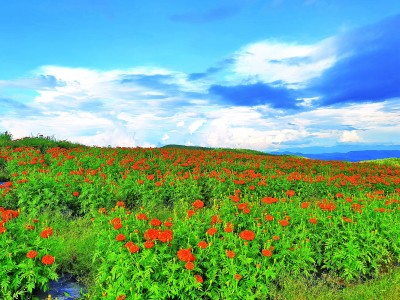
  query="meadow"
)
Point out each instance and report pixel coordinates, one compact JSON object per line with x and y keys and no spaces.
{"x":193,"y":223}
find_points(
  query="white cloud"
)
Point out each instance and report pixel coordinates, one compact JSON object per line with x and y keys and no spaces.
{"x":350,"y":136}
{"x":196,"y":125}
{"x":271,"y":61}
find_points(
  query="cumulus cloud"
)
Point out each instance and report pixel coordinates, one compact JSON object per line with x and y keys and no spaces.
{"x":350,"y":137}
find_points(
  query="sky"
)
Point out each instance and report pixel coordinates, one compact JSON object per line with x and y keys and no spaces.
{"x":269,"y":75}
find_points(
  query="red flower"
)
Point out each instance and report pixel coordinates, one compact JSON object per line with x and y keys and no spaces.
{"x":121,"y":297}
{"x":151,"y":234}
{"x":284,"y":222}
{"x":156,"y":222}
{"x":305,"y":204}
{"x":149,"y":244}
{"x":186,"y":255}
{"x":238,"y":277}
{"x":31,"y":254}
{"x":313,"y":221}
{"x":75,"y":194}
{"x":202,"y":244}
{"x":190,"y":213}
{"x":141,"y":217}
{"x":212,"y":231}
{"x":165,"y":236}
{"x":47,"y":232}
{"x":198,"y":204}
{"x":269,"y":200}
{"x":189,"y":265}
{"x":198,"y":278}
{"x":290,"y":193}
{"x":117,"y":226}
{"x":120,"y":204}
{"x":269,"y":218}
{"x":247,"y":235}
{"x":120,"y":237}
{"x":168,"y":224}
{"x":230,"y":253}
{"x":266,"y":252}
{"x":48,"y":259}
{"x":131,"y":247}
{"x":29,"y":227}
{"x":276,"y":238}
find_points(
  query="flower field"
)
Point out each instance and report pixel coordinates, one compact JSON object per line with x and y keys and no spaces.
{"x":194,"y":224}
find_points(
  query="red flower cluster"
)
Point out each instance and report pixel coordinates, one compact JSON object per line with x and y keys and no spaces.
{"x":186,"y":255}
{"x":48,"y":259}
{"x":198,"y":204}
{"x":117,"y":224}
{"x":269,"y":200}
{"x":247,"y":235}
{"x":31,"y":254}
{"x":131,"y":247}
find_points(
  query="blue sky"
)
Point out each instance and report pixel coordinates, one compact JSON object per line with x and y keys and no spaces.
{"x":267,"y":75}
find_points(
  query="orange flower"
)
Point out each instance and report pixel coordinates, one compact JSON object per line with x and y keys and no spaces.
{"x":238,"y":277}
{"x":266,"y":252}
{"x":141,"y":217}
{"x":75,"y":194}
{"x":120,"y":297}
{"x":46,"y":233}
{"x":212,"y":231}
{"x":198,"y":204}
{"x":198,"y":278}
{"x":48,"y":259}
{"x":284,"y":222}
{"x":120,"y":237}
{"x":149,"y":244}
{"x":247,"y":235}
{"x":168,"y":224}
{"x":151,"y":234}
{"x":230,"y":253}
{"x":305,"y":204}
{"x":165,"y":236}
{"x":155,"y":222}
{"x":120,"y":204}
{"x":290,"y":193}
{"x":189,"y":265}
{"x":313,"y":221}
{"x":190,"y":213}
{"x":31,"y":254}
{"x":202,"y":244}
{"x":276,"y":238}
{"x":186,"y":255}
{"x":269,"y":218}
{"x":131,"y":247}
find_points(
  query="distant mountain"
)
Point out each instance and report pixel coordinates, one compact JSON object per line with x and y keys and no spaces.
{"x":352,"y":156}
{"x":340,"y":148}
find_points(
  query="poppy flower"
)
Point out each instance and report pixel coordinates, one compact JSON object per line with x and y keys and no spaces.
{"x":305,"y":204}
{"x":313,"y":221}
{"x":120,"y":237}
{"x":212,"y":231}
{"x":155,"y":222}
{"x":284,"y":222}
{"x":165,"y":236}
{"x":149,"y":244}
{"x":190,"y":213}
{"x":151,"y":234}
{"x":141,"y":217}
{"x":269,"y":218}
{"x":75,"y":194}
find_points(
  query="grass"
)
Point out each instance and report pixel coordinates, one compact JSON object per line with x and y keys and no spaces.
{"x":395,"y":162}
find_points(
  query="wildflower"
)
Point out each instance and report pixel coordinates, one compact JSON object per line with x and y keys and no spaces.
{"x":46,"y":233}
{"x":149,"y":244}
{"x":230,"y":253}
{"x":102,"y":210}
{"x":198,"y":204}
{"x":141,"y":217}
{"x":120,"y":297}
{"x":276,"y":238}
{"x":189,"y":265}
{"x":186,"y":255}
{"x":168,"y":224}
{"x":305,"y":204}
{"x":290,"y":193}
{"x":151,"y":234}
{"x":266,"y":252}
{"x":190,"y":213}
{"x":165,"y":236}
{"x":228,"y":228}
{"x":48,"y":259}
{"x":120,"y":204}
{"x":31,"y":254}
{"x":202,"y":244}
{"x":156,"y":222}
{"x":313,"y":221}
{"x":120,"y":237}
{"x":131,"y":247}
{"x":269,"y":218}
{"x":212,"y":231}
{"x":29,"y":227}
{"x":247,"y":235}
{"x":198,"y":278}
{"x":269,"y":200}
{"x":75,"y":194}
{"x":238,"y":277}
{"x":284,"y":222}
